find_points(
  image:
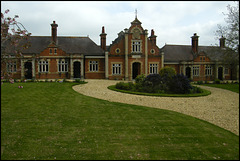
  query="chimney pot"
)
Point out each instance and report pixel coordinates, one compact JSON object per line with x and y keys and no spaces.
{"x":103,"y":30}
{"x":152,"y":32}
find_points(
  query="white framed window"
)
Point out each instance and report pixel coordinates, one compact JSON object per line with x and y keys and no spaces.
{"x":55,"y":51}
{"x":43,"y":66}
{"x":50,"y":51}
{"x":62,"y":66}
{"x":196,"y":71}
{"x":136,"y":46}
{"x":153,"y":68}
{"x":116,"y":69}
{"x":93,"y":66}
{"x":226,"y":71}
{"x":12,"y":66}
{"x":208,"y":70}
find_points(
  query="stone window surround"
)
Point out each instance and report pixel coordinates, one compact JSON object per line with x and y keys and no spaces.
{"x":64,"y":65}
{"x":156,"y":65}
{"x":120,"y":69}
{"x":12,"y":66}
{"x":40,"y":65}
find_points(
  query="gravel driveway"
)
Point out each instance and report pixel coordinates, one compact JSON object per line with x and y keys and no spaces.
{"x":220,"y":108}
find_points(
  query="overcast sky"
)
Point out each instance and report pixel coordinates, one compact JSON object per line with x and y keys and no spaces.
{"x":174,"y":22}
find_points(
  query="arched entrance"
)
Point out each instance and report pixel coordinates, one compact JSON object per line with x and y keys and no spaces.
{"x":220,"y":73}
{"x":28,"y":70}
{"x":188,"y":72}
{"x":76,"y":69}
{"x":136,"y":69}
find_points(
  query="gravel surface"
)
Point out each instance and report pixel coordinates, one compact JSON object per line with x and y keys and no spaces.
{"x":220,"y":108}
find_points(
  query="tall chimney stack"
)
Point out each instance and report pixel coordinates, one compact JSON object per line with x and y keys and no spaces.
{"x":222,"y":42}
{"x":103,"y":39}
{"x":54,"y":32}
{"x":195,"y":43}
{"x":153,"y":37}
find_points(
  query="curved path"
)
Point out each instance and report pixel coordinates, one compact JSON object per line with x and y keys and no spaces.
{"x":220,"y":108}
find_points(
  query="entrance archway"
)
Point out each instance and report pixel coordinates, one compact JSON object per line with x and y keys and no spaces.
{"x":76,"y":69}
{"x":28,"y":70}
{"x":136,"y":69}
{"x":188,"y":72}
{"x":220,"y":73}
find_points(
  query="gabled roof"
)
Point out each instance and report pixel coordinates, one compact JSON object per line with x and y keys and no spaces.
{"x":77,"y":45}
{"x":176,"y":53}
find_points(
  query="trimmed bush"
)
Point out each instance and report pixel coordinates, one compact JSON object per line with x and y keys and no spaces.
{"x":125,"y":86}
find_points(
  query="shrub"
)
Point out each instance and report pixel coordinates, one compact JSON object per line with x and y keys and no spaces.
{"x":125,"y":86}
{"x":152,"y":83}
{"x":155,"y":79}
{"x":217,"y":81}
{"x":140,"y":79}
{"x":199,"y":82}
{"x":167,"y":71}
{"x":196,"y":90}
{"x":179,"y":84}
{"x":77,"y":80}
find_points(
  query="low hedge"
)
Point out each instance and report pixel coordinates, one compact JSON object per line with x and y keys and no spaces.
{"x":204,"y":93}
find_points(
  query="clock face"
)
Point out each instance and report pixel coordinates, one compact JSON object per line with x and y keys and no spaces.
{"x":136,"y":33}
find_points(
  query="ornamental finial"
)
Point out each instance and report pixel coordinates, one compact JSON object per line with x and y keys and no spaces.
{"x":135,"y":13}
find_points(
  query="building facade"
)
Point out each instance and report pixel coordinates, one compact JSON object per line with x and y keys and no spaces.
{"x":132,"y":53}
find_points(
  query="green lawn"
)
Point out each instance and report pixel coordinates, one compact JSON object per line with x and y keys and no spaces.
{"x":231,"y":87}
{"x":46,"y":121}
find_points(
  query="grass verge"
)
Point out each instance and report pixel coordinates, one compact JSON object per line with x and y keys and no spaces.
{"x":205,"y":93}
{"x":230,"y":87}
{"x":47,"y":121}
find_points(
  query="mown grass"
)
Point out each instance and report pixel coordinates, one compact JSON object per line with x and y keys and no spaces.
{"x":230,"y":87}
{"x":204,"y":93}
{"x":51,"y":121}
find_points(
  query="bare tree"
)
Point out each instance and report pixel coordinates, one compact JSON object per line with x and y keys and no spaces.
{"x":231,"y":34}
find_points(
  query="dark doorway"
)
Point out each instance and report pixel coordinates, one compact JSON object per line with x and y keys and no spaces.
{"x":28,"y":70}
{"x":77,"y":70}
{"x":220,"y":73}
{"x":136,"y":67}
{"x":188,"y":72}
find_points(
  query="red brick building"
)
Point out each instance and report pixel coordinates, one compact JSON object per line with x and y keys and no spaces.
{"x":199,"y":63}
{"x":130,"y":54}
